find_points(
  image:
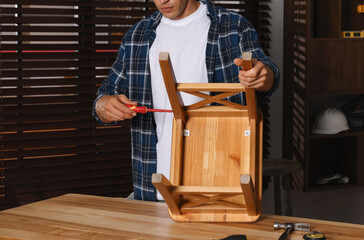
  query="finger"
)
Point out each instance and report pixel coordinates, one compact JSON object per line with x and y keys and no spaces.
{"x":238,"y":62}
{"x":121,"y":106}
{"x":247,"y":80}
{"x":250,"y":80}
{"x":120,"y":115}
{"x":253,"y":74}
{"x":254,"y":83}
{"x":109,"y":109}
{"x":128,"y":113}
{"x":112,"y":114}
{"x":258,"y":66}
{"x":115,"y":117}
{"x":123,"y":99}
{"x":255,"y":86}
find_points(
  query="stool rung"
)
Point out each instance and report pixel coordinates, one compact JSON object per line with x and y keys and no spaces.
{"x":205,"y":190}
{"x":214,"y":209}
{"x":210,"y":87}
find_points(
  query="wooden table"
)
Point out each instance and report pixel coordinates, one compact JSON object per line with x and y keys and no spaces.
{"x":75,"y":216}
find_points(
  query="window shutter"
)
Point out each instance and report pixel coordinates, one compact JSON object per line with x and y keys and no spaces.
{"x":53,"y":57}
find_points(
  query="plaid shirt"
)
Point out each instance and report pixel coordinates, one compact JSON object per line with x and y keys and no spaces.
{"x":229,"y":35}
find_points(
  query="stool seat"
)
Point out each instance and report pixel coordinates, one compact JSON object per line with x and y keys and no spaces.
{"x":281,"y":168}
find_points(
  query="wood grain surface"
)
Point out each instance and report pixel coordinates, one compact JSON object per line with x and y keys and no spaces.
{"x":75,"y":216}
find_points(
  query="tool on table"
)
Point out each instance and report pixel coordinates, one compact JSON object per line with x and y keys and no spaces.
{"x":143,"y":109}
{"x":314,"y":236}
{"x":235,"y":237}
{"x":289,"y":227}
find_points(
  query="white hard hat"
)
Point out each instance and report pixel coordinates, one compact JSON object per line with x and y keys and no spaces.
{"x":330,"y":121}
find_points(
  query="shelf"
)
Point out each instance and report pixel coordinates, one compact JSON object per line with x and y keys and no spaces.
{"x":318,"y":187}
{"x":332,"y":155}
{"x":323,"y":70}
{"x":335,"y":66}
{"x":333,"y":93}
{"x":336,"y":39}
{"x":354,"y":131}
{"x":329,"y":18}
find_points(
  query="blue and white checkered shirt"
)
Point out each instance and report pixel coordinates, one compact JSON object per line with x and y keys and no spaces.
{"x":230,"y":34}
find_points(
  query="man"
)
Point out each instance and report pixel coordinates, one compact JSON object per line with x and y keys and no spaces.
{"x":204,"y":42}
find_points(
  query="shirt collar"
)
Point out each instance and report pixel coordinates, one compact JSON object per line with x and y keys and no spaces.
{"x":211,"y":9}
{"x":156,"y":18}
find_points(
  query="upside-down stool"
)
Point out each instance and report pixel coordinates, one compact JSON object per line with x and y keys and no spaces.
{"x":216,"y":162}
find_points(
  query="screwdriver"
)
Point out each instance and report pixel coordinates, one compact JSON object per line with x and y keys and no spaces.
{"x":143,"y":109}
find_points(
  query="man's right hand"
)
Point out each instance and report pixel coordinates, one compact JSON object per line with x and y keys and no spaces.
{"x":111,"y":108}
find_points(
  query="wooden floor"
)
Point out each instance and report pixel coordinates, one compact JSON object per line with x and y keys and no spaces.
{"x":75,"y":216}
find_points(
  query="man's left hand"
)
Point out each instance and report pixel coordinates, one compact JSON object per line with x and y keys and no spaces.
{"x":259,"y":77}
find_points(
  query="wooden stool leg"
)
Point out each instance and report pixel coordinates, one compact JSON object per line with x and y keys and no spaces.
{"x":277,"y":195}
{"x":248,"y":191}
{"x":162,"y":184}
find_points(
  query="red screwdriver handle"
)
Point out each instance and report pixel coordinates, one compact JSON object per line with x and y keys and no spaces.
{"x":137,"y":109}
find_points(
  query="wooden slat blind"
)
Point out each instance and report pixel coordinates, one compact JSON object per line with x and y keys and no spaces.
{"x":53,"y":56}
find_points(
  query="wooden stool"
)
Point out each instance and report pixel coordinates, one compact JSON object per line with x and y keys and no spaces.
{"x":216,"y":162}
{"x":281,"y":168}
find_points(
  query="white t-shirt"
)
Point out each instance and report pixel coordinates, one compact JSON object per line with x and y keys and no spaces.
{"x":185,"y":40}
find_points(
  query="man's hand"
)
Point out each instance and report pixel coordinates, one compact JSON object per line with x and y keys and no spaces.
{"x":259,"y":77}
{"x":112,"y":108}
